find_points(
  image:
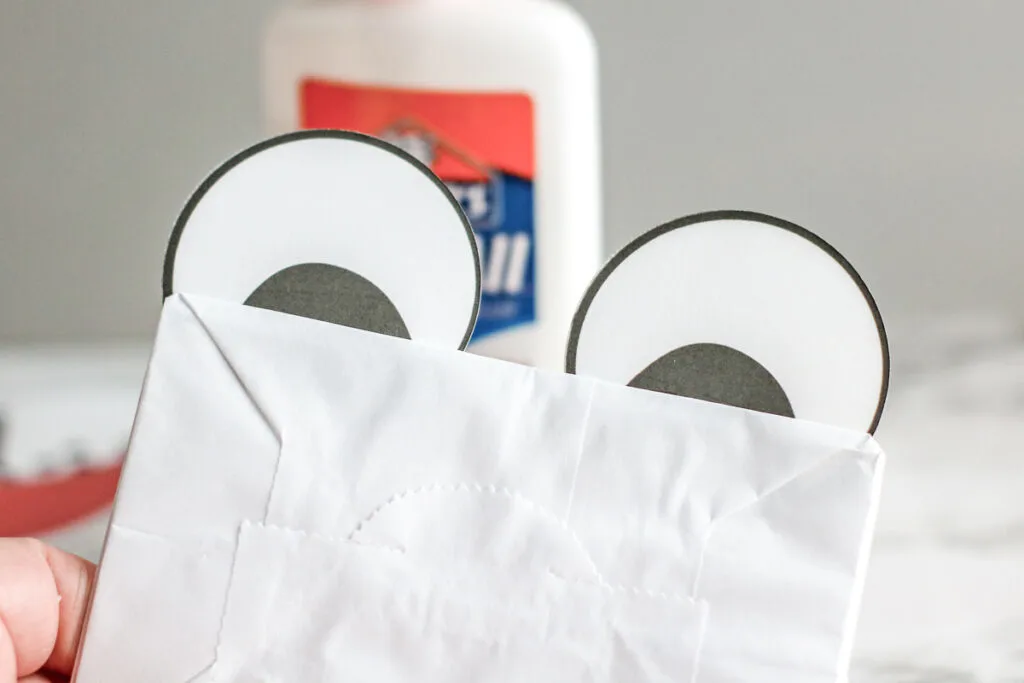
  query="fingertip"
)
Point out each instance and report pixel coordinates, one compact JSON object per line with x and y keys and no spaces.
{"x":43,"y":598}
{"x":74,"y":579}
{"x":29,"y":607}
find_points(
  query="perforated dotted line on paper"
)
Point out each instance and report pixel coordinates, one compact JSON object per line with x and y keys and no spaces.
{"x":482,"y":489}
{"x":318,"y":537}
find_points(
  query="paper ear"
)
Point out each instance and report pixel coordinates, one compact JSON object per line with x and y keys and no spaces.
{"x":334,"y":226}
{"x":742,"y":309}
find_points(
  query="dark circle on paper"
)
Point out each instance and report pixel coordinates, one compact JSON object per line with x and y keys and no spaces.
{"x":331,"y":294}
{"x":590,"y":295}
{"x":716,"y":373}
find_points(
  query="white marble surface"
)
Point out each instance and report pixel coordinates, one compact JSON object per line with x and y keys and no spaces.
{"x":945,"y":595}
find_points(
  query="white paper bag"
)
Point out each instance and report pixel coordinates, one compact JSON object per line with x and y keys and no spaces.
{"x":308,"y":502}
{"x":320,"y":488}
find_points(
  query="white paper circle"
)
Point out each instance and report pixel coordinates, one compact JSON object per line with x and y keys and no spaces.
{"x":336,"y":198}
{"x":756,"y":284}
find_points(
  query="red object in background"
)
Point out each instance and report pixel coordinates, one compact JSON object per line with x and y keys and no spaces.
{"x":33,"y":509}
{"x":496,"y":128}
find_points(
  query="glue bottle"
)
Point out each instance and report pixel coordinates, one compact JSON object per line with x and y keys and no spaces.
{"x":500,"y":99}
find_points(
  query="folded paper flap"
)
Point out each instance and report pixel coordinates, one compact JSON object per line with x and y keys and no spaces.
{"x":810,"y":536}
{"x":156,"y":608}
{"x":280,"y":364}
{"x":655,"y":494}
{"x":356,"y":429}
{"x":304,"y":607}
{"x":202,"y":456}
{"x":466,"y":525}
{"x":264,"y":415}
{"x":659,"y":474}
{"x":723,"y":461}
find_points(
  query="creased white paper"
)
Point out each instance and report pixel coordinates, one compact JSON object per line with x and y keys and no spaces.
{"x":307,"y":608}
{"x":334,"y":504}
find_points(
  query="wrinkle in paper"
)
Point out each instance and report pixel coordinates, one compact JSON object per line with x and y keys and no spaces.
{"x":756,"y":523}
{"x":306,"y":608}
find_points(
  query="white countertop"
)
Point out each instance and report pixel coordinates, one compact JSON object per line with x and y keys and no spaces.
{"x":944,"y":601}
{"x":945,"y":596}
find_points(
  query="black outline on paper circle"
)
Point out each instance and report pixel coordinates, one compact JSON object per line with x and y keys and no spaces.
{"x":707,"y":217}
{"x":220,"y":171}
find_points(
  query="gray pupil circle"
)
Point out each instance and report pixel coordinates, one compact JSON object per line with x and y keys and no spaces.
{"x":331,"y":294}
{"x":716,"y":373}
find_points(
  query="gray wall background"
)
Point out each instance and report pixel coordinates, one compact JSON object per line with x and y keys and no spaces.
{"x":895,"y":130}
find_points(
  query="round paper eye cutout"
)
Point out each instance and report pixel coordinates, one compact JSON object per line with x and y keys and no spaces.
{"x":334,"y":226}
{"x":742,"y":309}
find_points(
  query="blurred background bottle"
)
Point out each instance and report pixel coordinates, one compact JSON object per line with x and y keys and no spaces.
{"x":500,"y":99}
